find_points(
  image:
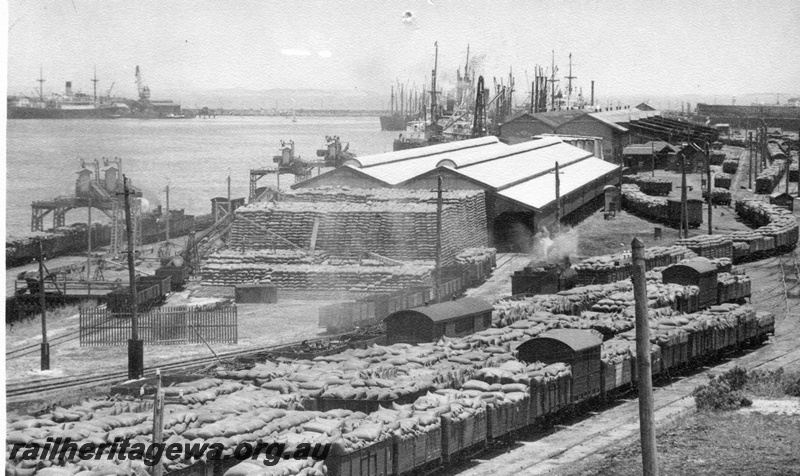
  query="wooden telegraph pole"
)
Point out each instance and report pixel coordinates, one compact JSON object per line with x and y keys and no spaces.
{"x":89,"y":251}
{"x":684,"y":228}
{"x":647,"y":429}
{"x":135,"y":345}
{"x":439,"y":204}
{"x":558,"y":200}
{"x":708,"y":179}
{"x":750,"y":160}
{"x":653,"y":158}
{"x":158,"y":421}
{"x":167,"y":215}
{"x":45,"y":348}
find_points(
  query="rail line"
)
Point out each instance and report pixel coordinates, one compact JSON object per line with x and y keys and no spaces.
{"x":47,"y":385}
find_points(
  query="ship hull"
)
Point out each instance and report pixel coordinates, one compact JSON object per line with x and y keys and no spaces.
{"x":56,"y":113}
{"x":405,"y":144}
{"x":393,"y":123}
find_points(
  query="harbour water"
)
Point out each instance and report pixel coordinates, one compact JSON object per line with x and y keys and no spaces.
{"x":193,"y":156}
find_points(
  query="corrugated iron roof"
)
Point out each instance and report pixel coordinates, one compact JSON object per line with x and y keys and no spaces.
{"x":541,"y":191}
{"x":521,"y":172}
{"x":447,"y":311}
{"x":375,"y":159}
{"x":504,"y":172}
{"x":398,"y":171}
{"x":609,"y":120}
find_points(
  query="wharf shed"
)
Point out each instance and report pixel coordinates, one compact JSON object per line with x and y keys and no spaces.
{"x":569,"y":122}
{"x":638,"y":156}
{"x":519,"y":181}
{"x":429,"y":323}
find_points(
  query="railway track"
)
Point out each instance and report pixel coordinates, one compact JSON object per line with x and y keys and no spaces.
{"x":14,"y":390}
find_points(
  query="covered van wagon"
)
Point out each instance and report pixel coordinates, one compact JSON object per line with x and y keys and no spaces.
{"x":429,"y":323}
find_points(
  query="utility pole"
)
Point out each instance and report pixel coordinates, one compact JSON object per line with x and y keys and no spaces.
{"x":45,"y":347}
{"x":229,"y":193}
{"x":647,"y":429}
{"x":684,"y":232}
{"x":653,"y":158}
{"x":168,"y":214}
{"x":750,"y":160}
{"x":89,"y":251}
{"x":755,"y":149}
{"x":158,"y":421}
{"x":135,"y":345}
{"x":558,"y":199}
{"x":439,"y":204}
{"x":708,"y":179}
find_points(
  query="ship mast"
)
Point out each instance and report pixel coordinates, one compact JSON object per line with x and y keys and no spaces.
{"x":95,"y":80}
{"x":433,"y":84}
{"x":569,"y":83}
{"x":41,"y":85}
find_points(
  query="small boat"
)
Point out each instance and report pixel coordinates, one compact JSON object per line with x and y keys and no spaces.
{"x":175,"y":116}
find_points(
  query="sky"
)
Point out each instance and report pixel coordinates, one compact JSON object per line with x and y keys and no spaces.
{"x":658,"y":47}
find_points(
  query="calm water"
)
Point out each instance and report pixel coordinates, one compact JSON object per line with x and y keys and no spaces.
{"x":194,"y":156}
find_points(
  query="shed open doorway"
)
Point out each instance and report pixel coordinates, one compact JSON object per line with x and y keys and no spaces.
{"x":513,"y":232}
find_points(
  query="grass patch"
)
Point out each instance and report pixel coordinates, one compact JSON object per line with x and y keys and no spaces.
{"x":734,"y":388}
{"x":32,"y":325}
{"x":705,"y":444}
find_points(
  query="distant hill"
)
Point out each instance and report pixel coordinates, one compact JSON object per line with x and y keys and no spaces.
{"x":282,"y":99}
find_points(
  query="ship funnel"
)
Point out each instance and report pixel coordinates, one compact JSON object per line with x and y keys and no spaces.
{"x":69,"y":88}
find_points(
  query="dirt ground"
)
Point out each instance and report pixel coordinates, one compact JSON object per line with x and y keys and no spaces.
{"x":765,"y":444}
{"x":258,"y":325}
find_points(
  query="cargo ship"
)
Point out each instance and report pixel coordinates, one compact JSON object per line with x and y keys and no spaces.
{"x":70,"y":105}
{"x":402,"y":110}
{"x":450,"y":118}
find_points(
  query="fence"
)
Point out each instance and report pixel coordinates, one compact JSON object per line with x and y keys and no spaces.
{"x":161,"y":326}
{"x":373,"y":309}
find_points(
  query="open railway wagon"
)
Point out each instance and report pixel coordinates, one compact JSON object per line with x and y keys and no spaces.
{"x":475,"y":391}
{"x":466,"y":381}
{"x":150,"y":290}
